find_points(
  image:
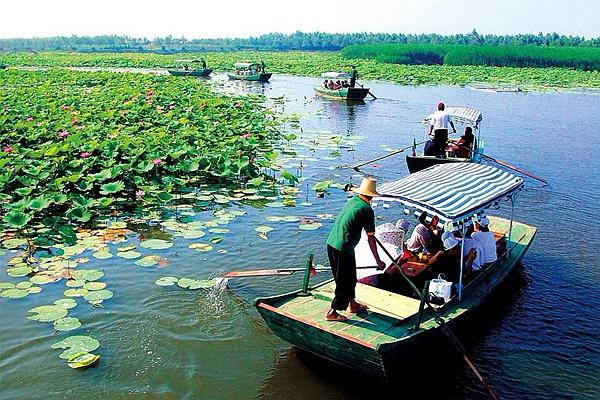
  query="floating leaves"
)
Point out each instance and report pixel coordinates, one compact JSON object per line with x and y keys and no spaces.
{"x":66,"y":303}
{"x":156,"y":244}
{"x":200,"y":246}
{"x":310,"y":226}
{"x":14,"y":293}
{"x":98,"y":295}
{"x":129,"y":254}
{"x":147,"y":261}
{"x":76,"y":346}
{"x":166,"y":281}
{"x":67,"y":324}
{"x":82,"y":360}
{"x":263,"y":229}
{"x":47,"y":313}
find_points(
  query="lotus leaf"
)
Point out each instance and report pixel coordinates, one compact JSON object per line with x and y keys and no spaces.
{"x":275,"y":204}
{"x":118,"y":225}
{"x":17,"y":219}
{"x":47,"y":313}
{"x":200,"y":247}
{"x":66,"y":303}
{"x":326,"y":216}
{"x":156,"y":244}
{"x":166,"y":281}
{"x":24,"y":285}
{"x":103,"y":294}
{"x":34,"y":289}
{"x":290,"y":218}
{"x":94,"y":285}
{"x":127,"y":248}
{"x":147,"y":261}
{"x":14,"y":243}
{"x":263,"y":229}
{"x":76,"y":292}
{"x":129,"y":254}
{"x":218,"y":230}
{"x":19,"y":271}
{"x":82,"y":360}
{"x":67,"y":324}
{"x":88,"y":274}
{"x":255,"y":197}
{"x":6,"y":285}
{"x":216,"y":240}
{"x":14,"y":293}
{"x":112,"y":187}
{"x":75,"y":283}
{"x":311,"y":226}
{"x":193,"y":234}
{"x":102,"y":254}
{"x":77,"y":343}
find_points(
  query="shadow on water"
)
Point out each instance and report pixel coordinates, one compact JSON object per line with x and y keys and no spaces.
{"x":437,"y":371}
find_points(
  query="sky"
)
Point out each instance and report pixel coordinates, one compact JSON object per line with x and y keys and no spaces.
{"x":234,"y":18}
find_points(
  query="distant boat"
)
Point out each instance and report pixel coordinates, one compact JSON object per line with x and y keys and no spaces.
{"x":342,"y":93}
{"x":398,"y":326}
{"x":191,"y":72}
{"x":460,"y":115}
{"x":2,"y":66}
{"x":250,"y":71}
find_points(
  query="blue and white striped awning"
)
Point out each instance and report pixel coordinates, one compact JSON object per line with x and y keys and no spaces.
{"x":454,"y":191}
{"x":462,"y":115}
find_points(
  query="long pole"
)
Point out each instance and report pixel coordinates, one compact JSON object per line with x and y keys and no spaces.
{"x":393,"y":153}
{"x":442,"y":324}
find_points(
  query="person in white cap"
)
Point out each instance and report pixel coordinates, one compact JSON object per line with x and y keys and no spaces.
{"x":447,"y":260}
{"x":487,"y":240}
{"x":355,"y":216}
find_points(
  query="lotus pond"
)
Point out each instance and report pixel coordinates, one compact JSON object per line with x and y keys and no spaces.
{"x":124,"y":278}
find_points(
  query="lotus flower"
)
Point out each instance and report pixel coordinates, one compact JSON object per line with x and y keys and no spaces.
{"x":245,"y":135}
{"x":139,"y":193}
{"x":237,"y":104}
{"x":85,"y":154}
{"x":74,"y":121}
{"x":29,"y":119}
{"x":8,"y":149}
{"x":159,"y":108}
{"x":157,"y":161}
{"x":63,"y":134}
{"x":79,"y":127}
{"x":65,"y":107}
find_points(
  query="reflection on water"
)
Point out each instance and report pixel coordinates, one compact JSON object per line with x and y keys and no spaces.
{"x":536,"y":339}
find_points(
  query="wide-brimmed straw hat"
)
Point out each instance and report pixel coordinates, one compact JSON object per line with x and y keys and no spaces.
{"x":367,"y":187}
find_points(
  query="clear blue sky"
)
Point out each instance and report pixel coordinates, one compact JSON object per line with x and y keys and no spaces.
{"x":234,"y":18}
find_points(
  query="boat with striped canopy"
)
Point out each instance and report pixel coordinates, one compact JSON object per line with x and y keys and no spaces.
{"x":186,"y":71}
{"x":399,"y":325}
{"x":250,"y":71}
{"x":465,"y":116}
{"x":342,"y":93}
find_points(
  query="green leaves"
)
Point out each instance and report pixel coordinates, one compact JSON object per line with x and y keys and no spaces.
{"x":16,"y":219}
{"x":112,"y":187}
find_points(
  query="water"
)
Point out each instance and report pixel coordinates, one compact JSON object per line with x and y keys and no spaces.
{"x":539,"y":338}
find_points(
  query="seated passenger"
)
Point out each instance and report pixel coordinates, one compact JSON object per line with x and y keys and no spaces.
{"x":430,"y":148}
{"x":421,"y":238}
{"x":392,"y":238}
{"x":326,"y":83}
{"x":186,"y":67}
{"x":331,"y":84}
{"x":487,"y":240}
{"x":447,"y":260}
{"x":463,"y":146}
{"x":345,"y":84}
{"x":473,"y":259}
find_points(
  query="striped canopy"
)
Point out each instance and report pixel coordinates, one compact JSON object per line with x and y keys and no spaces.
{"x":454,"y":191}
{"x":462,"y":115}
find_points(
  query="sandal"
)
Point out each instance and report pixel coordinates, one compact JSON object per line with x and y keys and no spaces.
{"x":360,"y":307}
{"x":336,"y":317}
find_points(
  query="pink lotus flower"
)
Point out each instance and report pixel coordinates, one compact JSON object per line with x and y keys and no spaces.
{"x":63,"y":134}
{"x":65,"y":107}
{"x":245,"y":135}
{"x":157,"y":161}
{"x":237,"y":104}
{"x":171,"y":106}
{"x":74,"y":121}
{"x":8,"y":149}
{"x":159,"y":108}
{"x":29,"y":119}
{"x":85,"y":154}
{"x":139,"y":193}
{"x":79,"y":127}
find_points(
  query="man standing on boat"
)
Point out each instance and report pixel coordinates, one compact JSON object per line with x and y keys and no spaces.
{"x":355,"y":216}
{"x":353,"y":76}
{"x":438,"y":124}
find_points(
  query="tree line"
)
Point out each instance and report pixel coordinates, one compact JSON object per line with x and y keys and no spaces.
{"x":313,"y":41}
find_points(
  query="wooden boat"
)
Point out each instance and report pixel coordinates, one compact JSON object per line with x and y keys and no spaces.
{"x":347,"y":94}
{"x":398,"y":325}
{"x":191,"y":72}
{"x":2,"y":66}
{"x":464,"y":116}
{"x":249,"y":71}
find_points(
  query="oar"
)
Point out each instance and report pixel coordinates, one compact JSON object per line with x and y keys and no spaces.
{"x":442,"y":324}
{"x":357,"y":166}
{"x":276,"y":271}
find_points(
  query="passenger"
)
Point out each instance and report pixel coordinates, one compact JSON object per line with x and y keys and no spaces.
{"x":430,"y":148}
{"x":326,"y":83}
{"x":447,"y":260}
{"x":439,"y":126}
{"x":345,"y":84}
{"x":465,"y":144}
{"x":421,"y":238}
{"x":186,"y":67}
{"x":331,"y":84}
{"x":487,"y":240}
{"x":390,"y":235}
{"x":338,"y":84}
{"x":472,"y":254}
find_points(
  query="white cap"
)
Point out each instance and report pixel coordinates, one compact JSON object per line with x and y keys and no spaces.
{"x":483,"y":222}
{"x":450,"y":242}
{"x":446,"y":235}
{"x":403,"y":224}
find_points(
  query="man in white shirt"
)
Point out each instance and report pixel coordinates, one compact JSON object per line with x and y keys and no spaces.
{"x":438,"y":124}
{"x":475,"y":262}
{"x":487,"y":240}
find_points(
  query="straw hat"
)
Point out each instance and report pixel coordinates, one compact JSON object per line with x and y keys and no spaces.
{"x":367,"y":187}
{"x":450,"y":242}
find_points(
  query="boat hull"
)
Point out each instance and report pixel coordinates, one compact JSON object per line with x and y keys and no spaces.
{"x":198,"y":72}
{"x":417,"y":163}
{"x":376,"y":342}
{"x":347,"y":94}
{"x":252,"y":78}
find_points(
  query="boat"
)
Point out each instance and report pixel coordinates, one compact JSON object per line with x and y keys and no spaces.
{"x":464,"y":116}
{"x":250,"y":71}
{"x":191,"y":72}
{"x":344,"y":93}
{"x":398,"y":325}
{"x":3,"y":66}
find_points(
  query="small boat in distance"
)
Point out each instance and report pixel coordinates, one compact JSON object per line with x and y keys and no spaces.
{"x":462,"y":116}
{"x":186,"y":70}
{"x":399,"y":325}
{"x":340,"y":93}
{"x":250,"y":71}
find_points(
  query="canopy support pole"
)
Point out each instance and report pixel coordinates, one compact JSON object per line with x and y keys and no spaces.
{"x":463,"y":231}
{"x":512,"y":214}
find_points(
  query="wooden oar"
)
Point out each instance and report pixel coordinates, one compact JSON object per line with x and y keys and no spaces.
{"x":276,"y":271}
{"x":444,"y":327}
{"x":393,"y":153}
{"x":369,"y":92}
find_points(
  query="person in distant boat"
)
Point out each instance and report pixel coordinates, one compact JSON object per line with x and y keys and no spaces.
{"x":345,"y":234}
{"x":186,"y":67}
{"x":338,"y":85}
{"x":462,"y":147}
{"x":422,"y":236}
{"x":487,"y":240}
{"x":326,"y":83}
{"x":353,"y":76}
{"x":263,"y":67}
{"x":331,"y":84}
{"x":439,"y":122}
{"x":345,"y":84}
{"x":203,"y":63}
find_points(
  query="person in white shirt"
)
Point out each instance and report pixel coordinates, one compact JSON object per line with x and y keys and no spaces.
{"x":487,"y":240}
{"x":438,"y":124}
{"x":472,"y":254}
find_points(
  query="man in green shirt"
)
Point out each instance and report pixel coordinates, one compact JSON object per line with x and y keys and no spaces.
{"x":355,"y":216}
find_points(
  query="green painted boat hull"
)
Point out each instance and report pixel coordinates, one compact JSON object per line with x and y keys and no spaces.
{"x":419,"y":162}
{"x":378,"y":344}
{"x":197,"y":72}
{"x":252,"y":78}
{"x":347,"y":94}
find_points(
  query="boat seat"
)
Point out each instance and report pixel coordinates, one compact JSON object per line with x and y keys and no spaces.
{"x":380,"y":301}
